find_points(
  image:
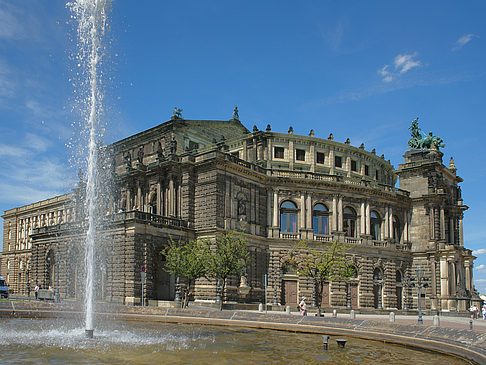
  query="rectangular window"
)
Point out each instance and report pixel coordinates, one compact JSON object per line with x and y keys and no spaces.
{"x":283,"y":222}
{"x":278,"y":152}
{"x":354,"y":165}
{"x":320,"y":157}
{"x":236,"y":154}
{"x":377,"y":174}
{"x":338,"y":161}
{"x":300,"y":155}
{"x":367,"y":170}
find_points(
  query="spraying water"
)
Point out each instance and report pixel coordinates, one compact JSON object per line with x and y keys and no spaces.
{"x":91,"y":17}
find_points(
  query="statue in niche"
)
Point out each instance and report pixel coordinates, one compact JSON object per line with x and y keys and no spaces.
{"x":160,"y":150}
{"x":235,"y":116}
{"x":128,"y":159}
{"x":241,"y":207}
{"x":173,"y":146}
{"x":140,"y":155}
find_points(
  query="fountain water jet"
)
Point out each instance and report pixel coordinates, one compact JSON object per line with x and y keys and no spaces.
{"x":91,"y":16}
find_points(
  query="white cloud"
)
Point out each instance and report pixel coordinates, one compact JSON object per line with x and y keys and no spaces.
{"x":10,"y":27}
{"x":480,"y":280}
{"x":12,"y":151}
{"x":402,"y":63}
{"x":480,"y":267}
{"x":479,"y":252}
{"x":462,"y":41}
{"x":37,"y":142}
{"x":405,"y":62}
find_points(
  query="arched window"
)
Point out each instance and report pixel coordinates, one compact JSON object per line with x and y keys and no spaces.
{"x":398,"y":276}
{"x":349,"y":222}
{"x":320,"y":219}
{"x":377,"y":274}
{"x":375,"y":225}
{"x":397,"y":232}
{"x":288,"y":217}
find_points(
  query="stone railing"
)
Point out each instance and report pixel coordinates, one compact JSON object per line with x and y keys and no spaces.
{"x":153,"y":218}
{"x":322,"y":238}
{"x":353,"y":240}
{"x":290,"y":236}
{"x":380,"y":243}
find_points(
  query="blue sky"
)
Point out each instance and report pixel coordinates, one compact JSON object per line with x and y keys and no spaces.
{"x":362,"y":70}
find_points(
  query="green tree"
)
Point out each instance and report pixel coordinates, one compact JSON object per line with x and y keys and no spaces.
{"x":187,"y":259}
{"x":229,"y":256}
{"x":322,"y":265}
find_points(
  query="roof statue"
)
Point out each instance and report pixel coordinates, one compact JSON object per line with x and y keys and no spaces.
{"x":422,"y":141}
{"x":235,"y":116}
{"x":177,"y":113}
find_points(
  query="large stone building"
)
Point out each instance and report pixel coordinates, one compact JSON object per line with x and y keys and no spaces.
{"x":192,"y":179}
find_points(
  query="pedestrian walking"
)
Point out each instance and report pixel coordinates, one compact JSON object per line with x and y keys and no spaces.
{"x":36,"y":290}
{"x":303,"y":307}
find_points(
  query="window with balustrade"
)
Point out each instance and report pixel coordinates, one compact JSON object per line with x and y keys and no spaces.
{"x":397,"y":231}
{"x":320,"y":219}
{"x":349,"y":222}
{"x":375,"y":225}
{"x":288,"y":217}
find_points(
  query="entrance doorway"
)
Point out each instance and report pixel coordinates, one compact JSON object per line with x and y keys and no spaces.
{"x":290,"y":292}
{"x":326,"y":302}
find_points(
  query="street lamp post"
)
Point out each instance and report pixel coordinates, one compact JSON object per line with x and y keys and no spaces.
{"x":420,"y":281}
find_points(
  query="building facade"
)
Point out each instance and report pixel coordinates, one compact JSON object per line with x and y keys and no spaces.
{"x":194,"y":179}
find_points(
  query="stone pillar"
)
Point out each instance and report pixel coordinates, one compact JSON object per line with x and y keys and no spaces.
{"x":302,"y":211}
{"x":291,"y":156}
{"x":468,"y":275}
{"x":309,"y":211}
{"x":451,"y":231}
{"x":368,"y":218}
{"x":275,"y":208}
{"x":405,"y":228}
{"x":340,"y":213}
{"x":245,"y":151}
{"x":331,"y":161}
{"x":390,"y":223}
{"x":270,"y":155}
{"x":433,"y":283}
{"x":348,"y":165}
{"x":363,"y":219}
{"x":171,"y":196}
{"x":453,"y":279}
{"x":442,"y":224}
{"x":139,"y":198}
{"x":158,"y":212}
{"x":269,"y":208}
{"x":334,"y":214}
{"x":386,"y":225}
{"x":128,"y":207}
{"x":444,"y":282}
{"x":461,"y":233}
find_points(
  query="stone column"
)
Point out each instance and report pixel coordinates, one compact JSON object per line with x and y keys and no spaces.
{"x":444,"y":282}
{"x":158,"y":212}
{"x":433,"y":283}
{"x":461,"y":233}
{"x":171,"y":196}
{"x":340,"y":213}
{"x":309,"y":211}
{"x":334,"y":214}
{"x":275,"y":208}
{"x":453,"y":279}
{"x":468,"y":275}
{"x":139,"y":198}
{"x":363,"y":219}
{"x":302,"y":211}
{"x":405,"y":228}
{"x":368,"y":218}
{"x":442,"y":224}
{"x":390,"y":223}
{"x":245,"y":151}
{"x":270,"y":154}
{"x":312,"y":156}
{"x":291,"y":155}
{"x":387,"y":226}
{"x":451,"y":231}
{"x":348,"y":165}
{"x":331,"y":161}
{"x":269,"y":208}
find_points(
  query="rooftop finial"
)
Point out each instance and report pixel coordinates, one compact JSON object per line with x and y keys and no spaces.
{"x":291,"y":130}
{"x":362,"y":146}
{"x":331,"y":137}
{"x":311,"y":133}
{"x":452,"y":165}
{"x":347,"y":141}
{"x":269,"y":129}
